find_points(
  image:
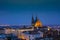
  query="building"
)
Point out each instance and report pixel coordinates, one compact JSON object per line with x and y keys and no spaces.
{"x":31,"y":35}
{"x":3,"y":37}
{"x":2,"y":31}
{"x":36,"y":22}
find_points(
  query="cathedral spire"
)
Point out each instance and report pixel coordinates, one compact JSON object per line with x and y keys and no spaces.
{"x":36,"y":19}
{"x":38,"y":22}
{"x":32,"y":21}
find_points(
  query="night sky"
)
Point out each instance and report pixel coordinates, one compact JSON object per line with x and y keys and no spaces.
{"x":21,"y":11}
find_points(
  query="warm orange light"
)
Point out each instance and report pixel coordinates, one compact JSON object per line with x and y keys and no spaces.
{"x":21,"y":36}
{"x":38,"y":24}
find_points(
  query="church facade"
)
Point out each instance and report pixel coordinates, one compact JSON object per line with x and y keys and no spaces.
{"x":36,"y":22}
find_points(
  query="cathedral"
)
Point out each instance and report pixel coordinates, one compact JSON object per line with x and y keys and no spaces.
{"x":36,"y":22}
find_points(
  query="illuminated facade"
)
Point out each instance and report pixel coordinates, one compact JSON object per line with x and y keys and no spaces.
{"x":36,"y":23}
{"x":31,"y":35}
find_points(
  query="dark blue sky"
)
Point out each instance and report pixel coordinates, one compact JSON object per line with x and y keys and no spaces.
{"x":20,"y":11}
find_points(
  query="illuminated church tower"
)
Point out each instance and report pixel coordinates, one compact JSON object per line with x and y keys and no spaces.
{"x":36,"y":22}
